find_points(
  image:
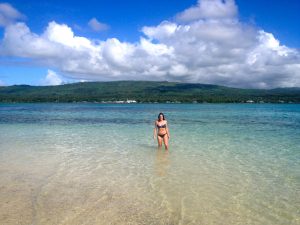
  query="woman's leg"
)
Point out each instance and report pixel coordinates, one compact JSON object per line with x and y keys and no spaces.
{"x":166,"y":141}
{"x":159,"y":140}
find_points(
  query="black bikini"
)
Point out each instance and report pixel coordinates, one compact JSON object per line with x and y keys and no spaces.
{"x":162,"y":126}
{"x":162,"y":135}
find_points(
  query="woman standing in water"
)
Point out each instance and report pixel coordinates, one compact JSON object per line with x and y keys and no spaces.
{"x":161,"y":131}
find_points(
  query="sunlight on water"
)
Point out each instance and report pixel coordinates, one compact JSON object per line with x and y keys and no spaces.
{"x":98,"y":164}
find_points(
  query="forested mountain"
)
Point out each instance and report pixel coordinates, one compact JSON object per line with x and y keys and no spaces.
{"x":144,"y":91}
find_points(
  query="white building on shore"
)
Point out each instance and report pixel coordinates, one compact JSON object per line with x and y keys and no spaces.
{"x":130,"y":101}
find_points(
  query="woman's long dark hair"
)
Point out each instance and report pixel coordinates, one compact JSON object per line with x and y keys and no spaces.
{"x":159,"y":116}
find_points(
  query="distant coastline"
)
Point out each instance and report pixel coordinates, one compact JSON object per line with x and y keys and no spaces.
{"x":131,"y":92}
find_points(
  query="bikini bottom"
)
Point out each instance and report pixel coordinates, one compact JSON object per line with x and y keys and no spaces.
{"x":162,"y":135}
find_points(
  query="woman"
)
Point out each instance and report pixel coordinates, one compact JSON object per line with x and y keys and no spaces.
{"x":161,"y":131}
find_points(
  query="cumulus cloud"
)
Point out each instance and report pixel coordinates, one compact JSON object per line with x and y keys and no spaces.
{"x":97,"y":26}
{"x":2,"y":83}
{"x":9,"y":14}
{"x":206,"y":44}
{"x":52,"y":78}
{"x":209,"y":9}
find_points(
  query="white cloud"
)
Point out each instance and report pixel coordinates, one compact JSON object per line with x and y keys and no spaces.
{"x":209,"y":9}
{"x":52,"y":79}
{"x":210,"y":46}
{"x":8,"y":14}
{"x":97,"y":26}
{"x":2,"y":83}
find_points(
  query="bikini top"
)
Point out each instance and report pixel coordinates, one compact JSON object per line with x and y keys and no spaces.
{"x":162,"y":126}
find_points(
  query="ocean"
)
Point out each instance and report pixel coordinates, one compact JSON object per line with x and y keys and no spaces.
{"x":89,"y":163}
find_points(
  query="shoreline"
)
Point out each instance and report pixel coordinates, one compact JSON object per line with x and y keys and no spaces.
{"x":124,"y":103}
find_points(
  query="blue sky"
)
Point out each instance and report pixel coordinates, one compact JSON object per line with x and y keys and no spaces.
{"x":120,"y":26}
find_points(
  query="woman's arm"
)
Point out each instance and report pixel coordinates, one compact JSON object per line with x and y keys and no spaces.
{"x":167,"y":129}
{"x":154,"y":131}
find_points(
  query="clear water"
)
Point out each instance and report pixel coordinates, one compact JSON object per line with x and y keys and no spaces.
{"x":99,"y":164}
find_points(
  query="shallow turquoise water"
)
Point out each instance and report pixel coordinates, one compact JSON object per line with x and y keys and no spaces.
{"x":98,"y":164}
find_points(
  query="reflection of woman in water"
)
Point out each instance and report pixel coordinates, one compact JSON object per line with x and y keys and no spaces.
{"x":161,"y":131}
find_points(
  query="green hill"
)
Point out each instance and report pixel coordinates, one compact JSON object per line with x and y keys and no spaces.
{"x":144,"y":91}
